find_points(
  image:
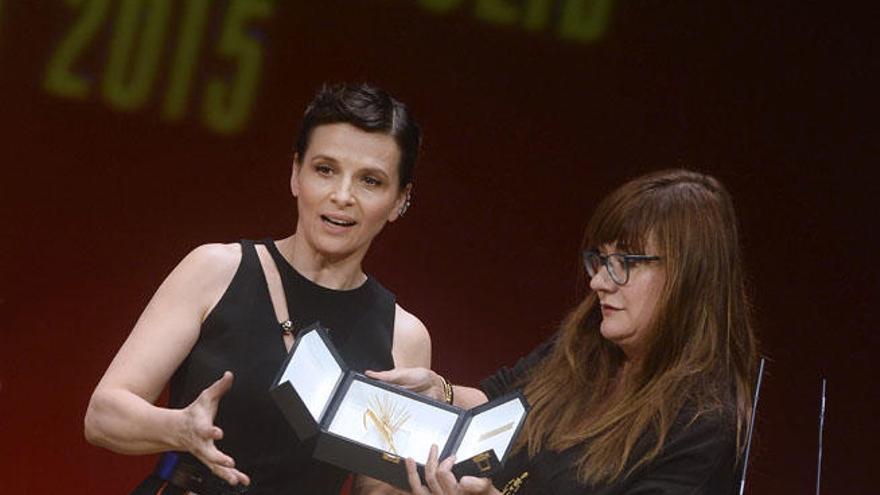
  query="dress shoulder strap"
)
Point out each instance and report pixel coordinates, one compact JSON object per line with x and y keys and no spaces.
{"x":280,"y":262}
{"x":248,"y":251}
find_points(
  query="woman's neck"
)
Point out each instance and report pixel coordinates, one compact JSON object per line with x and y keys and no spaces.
{"x":624,"y":376}
{"x":342,"y":273}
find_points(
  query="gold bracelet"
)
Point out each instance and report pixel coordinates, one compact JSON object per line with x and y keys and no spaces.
{"x":447,"y":390}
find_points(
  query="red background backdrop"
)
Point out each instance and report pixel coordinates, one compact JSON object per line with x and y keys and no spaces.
{"x":525,"y":130}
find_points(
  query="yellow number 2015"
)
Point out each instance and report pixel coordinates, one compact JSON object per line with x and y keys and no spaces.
{"x":138,"y":45}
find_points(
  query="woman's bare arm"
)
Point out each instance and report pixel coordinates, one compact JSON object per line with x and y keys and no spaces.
{"x":121,"y":415}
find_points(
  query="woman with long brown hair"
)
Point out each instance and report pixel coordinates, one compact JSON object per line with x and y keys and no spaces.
{"x":647,"y":386}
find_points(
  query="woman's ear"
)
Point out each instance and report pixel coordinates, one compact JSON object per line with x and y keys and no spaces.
{"x":295,"y":169}
{"x":404,"y":199}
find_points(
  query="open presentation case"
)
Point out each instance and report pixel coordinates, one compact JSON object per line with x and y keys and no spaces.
{"x":369,"y":427}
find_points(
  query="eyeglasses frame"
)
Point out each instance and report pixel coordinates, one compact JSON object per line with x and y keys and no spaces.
{"x":626,"y":260}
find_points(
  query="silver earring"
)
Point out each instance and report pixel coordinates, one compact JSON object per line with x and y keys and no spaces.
{"x":405,"y":205}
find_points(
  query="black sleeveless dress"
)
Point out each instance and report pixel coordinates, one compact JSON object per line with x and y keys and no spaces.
{"x":241,"y":334}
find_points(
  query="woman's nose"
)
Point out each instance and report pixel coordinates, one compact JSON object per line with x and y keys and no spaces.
{"x":342,"y":192}
{"x":601,"y":281}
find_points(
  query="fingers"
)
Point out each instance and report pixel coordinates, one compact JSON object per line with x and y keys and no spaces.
{"x":446,"y":465}
{"x":412,"y":475}
{"x":431,"y":471}
{"x":445,"y":477}
{"x":211,"y":455}
{"x":231,"y":475}
{"x":221,"y":464}
{"x":391,"y":376}
{"x":419,"y":380}
{"x":476,"y":485}
{"x":439,"y":478}
{"x":411,"y":378}
{"x":201,"y":416}
{"x":220,"y":387}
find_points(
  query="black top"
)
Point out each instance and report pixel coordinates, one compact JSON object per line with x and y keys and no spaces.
{"x":697,"y":458}
{"x":241,"y":334}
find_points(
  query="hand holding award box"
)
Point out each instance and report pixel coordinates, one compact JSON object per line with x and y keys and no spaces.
{"x":369,"y":427}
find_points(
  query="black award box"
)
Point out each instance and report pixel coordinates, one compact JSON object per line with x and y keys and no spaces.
{"x":369,"y":427}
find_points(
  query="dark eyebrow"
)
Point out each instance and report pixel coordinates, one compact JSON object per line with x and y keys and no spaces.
{"x":324,"y":158}
{"x":375,"y":171}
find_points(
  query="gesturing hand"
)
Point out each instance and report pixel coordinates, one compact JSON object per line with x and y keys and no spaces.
{"x":441,"y":481}
{"x":200,"y":432}
{"x":420,"y":380}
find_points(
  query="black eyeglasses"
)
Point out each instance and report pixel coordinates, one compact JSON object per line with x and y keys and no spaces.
{"x":617,"y":264}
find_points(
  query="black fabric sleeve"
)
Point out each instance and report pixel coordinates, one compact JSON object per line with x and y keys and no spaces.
{"x":699,"y":459}
{"x":507,"y":379}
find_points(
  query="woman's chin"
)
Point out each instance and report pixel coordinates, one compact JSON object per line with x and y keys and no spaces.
{"x":614,"y":334}
{"x":332,"y":247}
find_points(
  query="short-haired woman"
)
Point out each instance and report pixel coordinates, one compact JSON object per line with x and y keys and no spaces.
{"x":218,"y":328}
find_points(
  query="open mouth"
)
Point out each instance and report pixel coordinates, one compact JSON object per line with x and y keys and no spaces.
{"x":338,"y":222}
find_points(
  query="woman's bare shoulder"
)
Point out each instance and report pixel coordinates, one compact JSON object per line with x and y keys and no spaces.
{"x":215,"y":257}
{"x":208,"y":268}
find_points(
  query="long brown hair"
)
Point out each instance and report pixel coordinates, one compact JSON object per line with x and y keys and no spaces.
{"x":701,"y":351}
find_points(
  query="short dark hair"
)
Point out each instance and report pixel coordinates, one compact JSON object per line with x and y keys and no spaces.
{"x":370,"y":109}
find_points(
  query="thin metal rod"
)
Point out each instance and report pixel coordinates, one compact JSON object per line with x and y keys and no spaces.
{"x":821,"y":435}
{"x":745,"y":468}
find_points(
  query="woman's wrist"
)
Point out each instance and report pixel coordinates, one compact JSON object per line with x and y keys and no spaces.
{"x":180,"y":426}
